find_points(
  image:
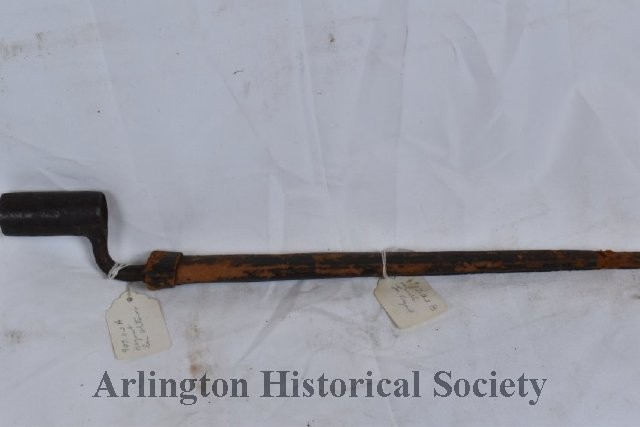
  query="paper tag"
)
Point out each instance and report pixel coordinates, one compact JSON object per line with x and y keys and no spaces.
{"x":136,"y":326}
{"x":409,"y":300}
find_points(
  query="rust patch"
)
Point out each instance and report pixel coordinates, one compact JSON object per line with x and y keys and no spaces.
{"x":196,"y":367}
{"x":475,"y":267}
{"x":258,"y":267}
{"x":611,"y":259}
{"x":197,"y":353}
{"x":160,"y":270}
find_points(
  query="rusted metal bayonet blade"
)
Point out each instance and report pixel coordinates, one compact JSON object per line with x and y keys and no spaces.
{"x":168,"y":269}
{"x":84,"y":213}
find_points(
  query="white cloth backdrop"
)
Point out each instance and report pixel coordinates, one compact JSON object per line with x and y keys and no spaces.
{"x":247,"y":126}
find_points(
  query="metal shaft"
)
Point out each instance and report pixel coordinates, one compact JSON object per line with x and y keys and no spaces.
{"x":84,"y":213}
{"x":168,"y":269}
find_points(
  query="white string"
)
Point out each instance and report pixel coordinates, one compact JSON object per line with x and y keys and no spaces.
{"x":384,"y":263}
{"x":115,"y":270}
{"x":383,"y":253}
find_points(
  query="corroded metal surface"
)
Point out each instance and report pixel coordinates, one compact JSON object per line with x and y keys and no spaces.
{"x":63,"y":213}
{"x":84,"y":213}
{"x":261,"y":267}
{"x":160,"y":270}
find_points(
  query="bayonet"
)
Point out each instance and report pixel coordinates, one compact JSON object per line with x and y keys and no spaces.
{"x":84,"y":213}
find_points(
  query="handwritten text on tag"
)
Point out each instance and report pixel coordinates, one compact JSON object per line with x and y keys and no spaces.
{"x":409,"y":300}
{"x":136,"y":326}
